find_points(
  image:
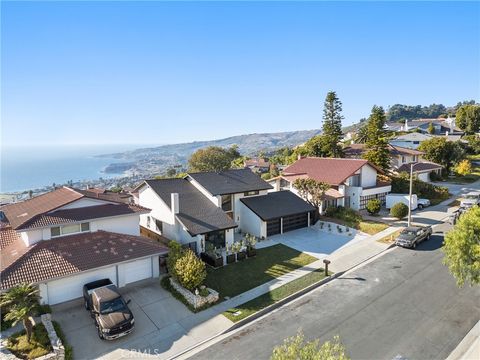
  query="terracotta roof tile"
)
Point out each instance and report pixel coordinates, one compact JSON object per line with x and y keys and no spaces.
{"x":333,"y":171}
{"x":67,"y":255}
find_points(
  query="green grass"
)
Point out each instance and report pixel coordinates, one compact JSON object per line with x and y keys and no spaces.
{"x":270,"y":263}
{"x":273,"y":296}
{"x":39,"y":344}
{"x":473,"y":157}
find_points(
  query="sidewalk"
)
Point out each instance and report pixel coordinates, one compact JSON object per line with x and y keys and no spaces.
{"x":469,"y":347}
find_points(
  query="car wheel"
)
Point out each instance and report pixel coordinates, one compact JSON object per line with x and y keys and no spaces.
{"x":414,"y":245}
{"x":86,"y":305}
{"x":420,"y":207}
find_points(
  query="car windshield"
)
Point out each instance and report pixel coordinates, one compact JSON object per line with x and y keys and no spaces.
{"x":111,"y":306}
{"x":409,"y":232}
{"x":471,"y":196}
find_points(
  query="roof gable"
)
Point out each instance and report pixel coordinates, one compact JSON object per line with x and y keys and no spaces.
{"x":230,"y":181}
{"x":333,"y":171}
{"x":198,"y":214}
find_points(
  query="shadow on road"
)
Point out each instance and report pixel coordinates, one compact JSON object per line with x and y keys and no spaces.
{"x":435,"y":242}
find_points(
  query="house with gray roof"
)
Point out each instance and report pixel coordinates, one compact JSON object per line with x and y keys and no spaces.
{"x":210,"y":207}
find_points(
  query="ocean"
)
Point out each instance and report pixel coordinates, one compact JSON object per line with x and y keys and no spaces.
{"x":31,"y":167}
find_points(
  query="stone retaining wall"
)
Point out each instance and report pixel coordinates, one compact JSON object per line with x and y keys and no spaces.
{"x":196,"y":301}
{"x":58,"y":349}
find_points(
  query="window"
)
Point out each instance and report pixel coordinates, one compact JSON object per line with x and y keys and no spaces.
{"x":403,"y":159}
{"x":227,"y":202}
{"x":69,"y":229}
{"x":355,"y":180}
{"x":216,"y":238}
{"x":55,"y":231}
{"x":148,"y":221}
{"x":414,"y":158}
{"x":249,"y":193}
{"x":159,"y":225}
{"x":416,"y":142}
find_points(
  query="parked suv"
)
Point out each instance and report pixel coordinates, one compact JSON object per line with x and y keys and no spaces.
{"x":470,"y":199}
{"x":113,"y":318}
{"x":413,"y":235}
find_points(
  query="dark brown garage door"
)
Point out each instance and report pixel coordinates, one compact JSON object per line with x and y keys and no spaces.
{"x":295,"y":222}
{"x":273,"y":227}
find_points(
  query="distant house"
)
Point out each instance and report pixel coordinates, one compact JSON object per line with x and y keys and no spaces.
{"x":401,"y":158}
{"x":67,"y":237}
{"x":259,"y":165}
{"x":208,"y":207}
{"x":353,"y":181}
{"x":440,"y":126}
{"x":410,"y":141}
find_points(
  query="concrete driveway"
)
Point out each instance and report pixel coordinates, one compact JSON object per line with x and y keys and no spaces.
{"x":163,"y":325}
{"x":315,"y":241}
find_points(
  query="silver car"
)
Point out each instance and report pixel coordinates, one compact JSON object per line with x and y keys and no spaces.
{"x":470,"y":199}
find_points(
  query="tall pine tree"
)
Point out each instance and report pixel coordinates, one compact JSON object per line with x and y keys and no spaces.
{"x":377,"y":144}
{"x":332,"y":126}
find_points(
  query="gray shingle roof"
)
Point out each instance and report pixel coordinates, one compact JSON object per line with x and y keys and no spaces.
{"x":277,"y":204}
{"x":196,"y":212}
{"x":230,"y":181}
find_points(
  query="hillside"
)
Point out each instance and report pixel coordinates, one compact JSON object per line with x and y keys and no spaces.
{"x":157,"y":160}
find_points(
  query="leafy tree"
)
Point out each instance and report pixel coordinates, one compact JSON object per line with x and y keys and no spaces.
{"x":190,"y":270}
{"x":362,"y":134}
{"x":213,"y":158}
{"x":399,"y":210}
{"x":21,"y":303}
{"x":473,"y":143}
{"x":280,"y":156}
{"x":175,"y":252}
{"x":464,"y":167}
{"x":332,"y":126}
{"x":400,"y":112}
{"x":318,"y":145}
{"x":468,"y":118}
{"x":373,"y":206}
{"x":296,"y":348}
{"x":443,"y":152}
{"x":171,"y":172}
{"x":311,"y":190}
{"x":462,"y":248}
{"x":377,"y":143}
{"x":431,"y":129}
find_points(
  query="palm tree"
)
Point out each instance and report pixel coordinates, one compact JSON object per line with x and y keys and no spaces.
{"x":20,"y":302}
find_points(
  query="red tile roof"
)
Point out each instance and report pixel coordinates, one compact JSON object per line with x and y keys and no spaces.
{"x":81,"y":214}
{"x":68,"y":255}
{"x":12,"y":247}
{"x":333,"y":171}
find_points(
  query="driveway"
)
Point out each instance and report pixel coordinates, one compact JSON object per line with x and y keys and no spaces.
{"x":315,"y":241}
{"x":163,"y":325}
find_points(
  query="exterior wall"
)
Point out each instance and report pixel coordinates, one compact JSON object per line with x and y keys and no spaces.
{"x":424,"y":176}
{"x":237,"y":205}
{"x":84,"y":202}
{"x":32,"y":236}
{"x":159,"y":210}
{"x":368,"y":176}
{"x":122,"y":224}
{"x":376,"y":190}
{"x":354,"y":194}
{"x":250,"y":222}
{"x":276,"y":185}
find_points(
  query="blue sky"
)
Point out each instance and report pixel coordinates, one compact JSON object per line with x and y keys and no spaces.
{"x":160,"y":72}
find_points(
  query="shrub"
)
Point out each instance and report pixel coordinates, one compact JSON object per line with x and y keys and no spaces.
{"x":190,"y":270}
{"x":399,"y":210}
{"x":175,"y":253}
{"x":401,"y":184}
{"x":373,"y":206}
{"x":464,"y":167}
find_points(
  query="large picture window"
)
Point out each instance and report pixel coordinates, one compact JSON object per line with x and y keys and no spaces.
{"x":216,"y":238}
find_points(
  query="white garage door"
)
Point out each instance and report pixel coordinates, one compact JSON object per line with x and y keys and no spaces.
{"x":137,"y":270}
{"x":71,"y":287}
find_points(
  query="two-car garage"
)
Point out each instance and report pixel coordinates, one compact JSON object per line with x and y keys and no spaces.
{"x":276,"y":213}
{"x":70,"y":287}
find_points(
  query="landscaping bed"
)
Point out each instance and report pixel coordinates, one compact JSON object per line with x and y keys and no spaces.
{"x":39,"y":344}
{"x":274,"y":296}
{"x":353,"y":219}
{"x":389,"y":239}
{"x":269,"y":263}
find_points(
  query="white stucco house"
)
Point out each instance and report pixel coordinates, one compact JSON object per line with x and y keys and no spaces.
{"x":211,"y":207}
{"x":353,"y":181}
{"x":67,"y":237}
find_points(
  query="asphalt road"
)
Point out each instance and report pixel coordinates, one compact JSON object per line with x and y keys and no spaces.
{"x":404,"y":303}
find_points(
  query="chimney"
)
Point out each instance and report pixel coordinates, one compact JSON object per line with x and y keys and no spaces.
{"x":175,"y":205}
{"x":446,"y":133}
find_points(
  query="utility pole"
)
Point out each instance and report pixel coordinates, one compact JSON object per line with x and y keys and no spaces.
{"x":410,"y":196}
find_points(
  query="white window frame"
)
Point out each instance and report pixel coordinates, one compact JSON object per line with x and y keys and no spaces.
{"x":70,"y":233}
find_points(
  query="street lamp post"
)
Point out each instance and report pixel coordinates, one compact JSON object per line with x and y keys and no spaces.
{"x":410,"y":195}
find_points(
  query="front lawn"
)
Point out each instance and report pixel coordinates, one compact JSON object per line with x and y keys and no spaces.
{"x":390,"y":238}
{"x":467,"y":179}
{"x":273,"y":296}
{"x":351,"y":218}
{"x":270,"y":263}
{"x":39,"y":344}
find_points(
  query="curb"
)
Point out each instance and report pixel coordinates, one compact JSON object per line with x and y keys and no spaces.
{"x":278,"y":304}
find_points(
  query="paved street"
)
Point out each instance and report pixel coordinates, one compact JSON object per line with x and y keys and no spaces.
{"x":404,"y":303}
